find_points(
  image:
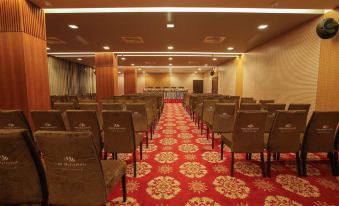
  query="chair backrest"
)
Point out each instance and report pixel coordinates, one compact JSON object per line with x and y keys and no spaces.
{"x":263,"y":102}
{"x":118,"y":131}
{"x":139,"y":116}
{"x":22,"y":177}
{"x":208,"y":111}
{"x":320,"y":132}
{"x":224,"y":115}
{"x":89,"y":106}
{"x":63,"y":106}
{"x":272,"y":109}
{"x":253,"y":101}
{"x":73,"y":169}
{"x":248,"y":133}
{"x":250,"y":106}
{"x":13,"y":119}
{"x":285,"y":132}
{"x":48,"y":120}
{"x":81,"y":120}
{"x":305,"y":107}
{"x":112,"y":106}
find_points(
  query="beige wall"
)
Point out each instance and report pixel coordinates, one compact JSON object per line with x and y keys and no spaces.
{"x":227,"y":78}
{"x":140,"y":82}
{"x":208,"y":82}
{"x":121,"y":85}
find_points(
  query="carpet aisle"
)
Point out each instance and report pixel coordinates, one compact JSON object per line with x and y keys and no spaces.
{"x":180,"y":169}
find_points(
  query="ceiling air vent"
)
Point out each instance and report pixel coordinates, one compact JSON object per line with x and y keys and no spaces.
{"x":214,"y":39}
{"x":150,"y":63}
{"x":133,"y":40}
{"x":54,"y":41}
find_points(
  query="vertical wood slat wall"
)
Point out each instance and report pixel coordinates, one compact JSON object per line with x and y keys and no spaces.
{"x":26,"y":18}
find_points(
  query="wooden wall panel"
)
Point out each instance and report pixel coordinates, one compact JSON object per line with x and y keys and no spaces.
{"x":106,"y":75}
{"x":22,"y":16}
{"x":130,"y":81}
{"x":328,"y":78}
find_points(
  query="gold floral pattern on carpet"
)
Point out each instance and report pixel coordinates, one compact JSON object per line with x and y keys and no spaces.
{"x":183,"y":128}
{"x":212,"y":157}
{"x":203,"y":140}
{"x":320,"y":203}
{"x":188,"y":148}
{"x":193,"y":169}
{"x":143,"y":168}
{"x":231,"y":187}
{"x":129,"y":202}
{"x":132,"y":186}
{"x":247,"y":168}
{"x":190,"y":157}
{"x":280,"y":201}
{"x":328,"y":184}
{"x":201,"y":201}
{"x":263,"y":185}
{"x":221,"y":169}
{"x":311,"y":171}
{"x":298,"y":185}
{"x":185,"y":135}
{"x":166,"y":157}
{"x":165,"y":169}
{"x":197,"y":186}
{"x":169,"y":131}
{"x":151,"y":148}
{"x":163,"y":187}
{"x":168,"y":141}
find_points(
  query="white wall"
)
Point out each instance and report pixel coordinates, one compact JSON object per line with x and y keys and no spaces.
{"x":227,"y":78}
{"x":121,"y":84}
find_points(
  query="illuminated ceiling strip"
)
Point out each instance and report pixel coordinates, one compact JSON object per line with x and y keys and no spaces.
{"x":183,"y":10}
{"x":166,"y":67}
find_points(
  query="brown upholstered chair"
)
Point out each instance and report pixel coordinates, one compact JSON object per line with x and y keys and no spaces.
{"x":263,"y":102}
{"x":223,"y":119}
{"x":22,"y":177}
{"x":48,"y":120}
{"x":319,"y":136}
{"x":305,"y":107}
{"x":112,"y":106}
{"x":208,"y":113}
{"x":285,"y":135}
{"x":75,"y":174}
{"x":271,"y":112}
{"x":336,"y":150}
{"x":80,"y":120}
{"x":250,"y":106}
{"x":139,"y":115}
{"x":247,"y":136}
{"x":13,"y":119}
{"x":63,"y":106}
{"x":251,"y":101}
{"x":119,"y":134}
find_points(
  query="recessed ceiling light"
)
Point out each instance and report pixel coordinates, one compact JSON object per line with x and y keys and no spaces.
{"x":170,"y":25}
{"x":214,"y":59}
{"x":79,"y":59}
{"x":106,"y":47}
{"x":199,"y":69}
{"x":139,"y":69}
{"x":123,"y":58}
{"x":72,"y":26}
{"x":170,"y":47}
{"x":206,"y":65}
{"x":48,"y":48}
{"x":262,"y":26}
{"x":170,"y":58}
{"x":195,"y":72}
{"x":170,"y":64}
{"x":230,"y":48}
{"x":119,"y":72}
{"x":132,"y":64}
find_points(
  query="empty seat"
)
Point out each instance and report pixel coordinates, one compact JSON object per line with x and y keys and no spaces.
{"x":112,"y":106}
{"x":119,"y":134}
{"x":63,"y":106}
{"x":247,"y":136}
{"x":80,"y":120}
{"x":75,"y":175}
{"x":271,"y":112}
{"x":207,"y":113}
{"x":305,"y":107}
{"x":250,"y":106}
{"x":223,"y":119}
{"x":285,"y":135}
{"x":22,"y":177}
{"x":319,"y":136}
{"x":48,"y":120}
{"x":92,"y":106}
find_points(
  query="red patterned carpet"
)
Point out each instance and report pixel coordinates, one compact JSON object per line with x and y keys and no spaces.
{"x":180,"y":169}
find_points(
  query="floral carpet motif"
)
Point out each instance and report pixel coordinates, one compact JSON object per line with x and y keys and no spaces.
{"x":180,"y":168}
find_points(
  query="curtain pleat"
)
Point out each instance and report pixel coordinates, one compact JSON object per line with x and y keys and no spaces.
{"x":69,"y":78}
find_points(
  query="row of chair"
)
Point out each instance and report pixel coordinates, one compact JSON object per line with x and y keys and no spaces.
{"x":70,"y":172}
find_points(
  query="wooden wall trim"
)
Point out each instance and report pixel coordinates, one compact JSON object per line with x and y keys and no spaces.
{"x":22,"y":16}
{"x":130,"y":81}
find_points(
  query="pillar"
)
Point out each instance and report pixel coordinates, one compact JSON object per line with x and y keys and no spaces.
{"x":106,"y":75}
{"x":24,"y":81}
{"x":239,"y":76}
{"x":130,"y":81}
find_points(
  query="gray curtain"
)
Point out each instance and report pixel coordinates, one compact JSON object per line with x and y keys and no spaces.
{"x":69,"y":78}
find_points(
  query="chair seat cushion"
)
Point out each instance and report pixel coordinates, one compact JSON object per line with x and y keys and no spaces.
{"x":113,"y":171}
{"x":227,"y":139}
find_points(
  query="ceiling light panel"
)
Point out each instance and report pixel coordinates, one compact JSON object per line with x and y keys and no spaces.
{"x":72,"y":26}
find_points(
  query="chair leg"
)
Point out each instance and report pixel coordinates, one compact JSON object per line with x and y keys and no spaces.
{"x":147,"y":139}
{"x":332,"y":162}
{"x":335,"y":154}
{"x":140,"y":150}
{"x":232,"y":164}
{"x":105,"y":155}
{"x":151,"y":132}
{"x":303,"y":163}
{"x":249,"y":156}
{"x":135,"y":163}
{"x":268,"y":164}
{"x":123,"y":181}
{"x":202,"y":127}
{"x":207,"y":131}
{"x":212,"y":140}
{"x":262,"y":158}
{"x":297,"y":157}
{"x":278,"y":156}
{"x":222,"y":150}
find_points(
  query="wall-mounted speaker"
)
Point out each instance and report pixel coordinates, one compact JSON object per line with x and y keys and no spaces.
{"x":212,"y":73}
{"x":327,"y":28}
